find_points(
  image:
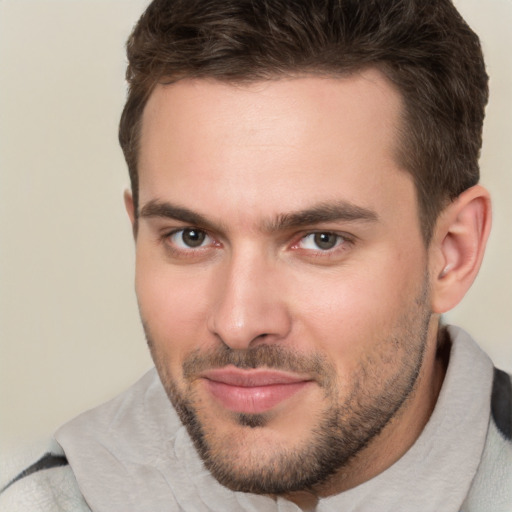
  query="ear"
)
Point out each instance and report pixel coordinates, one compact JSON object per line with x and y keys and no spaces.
{"x":130,"y":209}
{"x":457,"y":247}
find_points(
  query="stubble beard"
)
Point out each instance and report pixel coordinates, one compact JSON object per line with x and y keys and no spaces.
{"x":346,"y":427}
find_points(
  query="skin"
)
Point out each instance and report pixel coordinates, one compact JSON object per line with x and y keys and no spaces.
{"x":240,"y":164}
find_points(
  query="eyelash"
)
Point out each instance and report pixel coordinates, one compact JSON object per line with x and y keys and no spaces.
{"x":184,"y":252}
{"x":340,"y":240}
{"x":343,"y":241}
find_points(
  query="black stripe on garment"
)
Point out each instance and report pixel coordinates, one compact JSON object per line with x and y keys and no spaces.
{"x":47,"y":461}
{"x":501,"y":403}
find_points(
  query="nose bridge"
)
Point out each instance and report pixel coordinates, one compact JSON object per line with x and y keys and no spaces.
{"x":248,"y":304}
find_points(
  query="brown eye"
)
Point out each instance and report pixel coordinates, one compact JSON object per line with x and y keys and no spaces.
{"x":193,"y":237}
{"x":326,"y":241}
{"x":189,"y":238}
{"x":321,"y":241}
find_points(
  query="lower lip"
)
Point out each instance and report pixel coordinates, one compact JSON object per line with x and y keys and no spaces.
{"x":253,"y":399}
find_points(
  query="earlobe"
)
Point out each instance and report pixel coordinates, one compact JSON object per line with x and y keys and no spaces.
{"x":458,"y":247}
{"x":130,"y":209}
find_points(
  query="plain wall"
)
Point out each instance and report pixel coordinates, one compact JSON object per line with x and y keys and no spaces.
{"x":69,"y":330}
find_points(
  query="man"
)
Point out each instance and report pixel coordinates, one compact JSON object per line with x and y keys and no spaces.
{"x":305,"y":207}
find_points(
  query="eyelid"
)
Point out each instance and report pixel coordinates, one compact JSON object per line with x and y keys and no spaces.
{"x":177,"y":238}
{"x":344,"y":240}
{"x":168,"y":237}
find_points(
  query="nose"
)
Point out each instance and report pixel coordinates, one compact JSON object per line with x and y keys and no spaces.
{"x":249,"y":305}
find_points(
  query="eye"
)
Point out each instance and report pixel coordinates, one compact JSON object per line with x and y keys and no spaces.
{"x":323,"y":241}
{"x":190,"y":238}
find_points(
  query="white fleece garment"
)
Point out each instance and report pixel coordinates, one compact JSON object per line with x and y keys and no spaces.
{"x":133,"y":454}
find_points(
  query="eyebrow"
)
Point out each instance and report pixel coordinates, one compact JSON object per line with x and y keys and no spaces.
{"x":323,"y":212}
{"x":155,"y":208}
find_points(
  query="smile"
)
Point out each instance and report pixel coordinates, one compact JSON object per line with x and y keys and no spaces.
{"x":252,"y":391}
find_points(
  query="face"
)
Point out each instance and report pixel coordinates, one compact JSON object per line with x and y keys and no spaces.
{"x":281,"y":274}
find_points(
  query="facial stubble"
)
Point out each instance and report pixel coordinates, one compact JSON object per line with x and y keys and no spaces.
{"x":346,"y":426}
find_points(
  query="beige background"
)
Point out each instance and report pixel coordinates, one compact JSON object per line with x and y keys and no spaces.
{"x":70,"y":335}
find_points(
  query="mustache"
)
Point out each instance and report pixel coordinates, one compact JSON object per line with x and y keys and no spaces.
{"x":262,"y":356}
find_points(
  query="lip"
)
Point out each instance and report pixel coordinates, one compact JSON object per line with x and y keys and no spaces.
{"x":252,"y":391}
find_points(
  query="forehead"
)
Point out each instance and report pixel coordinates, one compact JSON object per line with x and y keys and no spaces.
{"x":272,"y":145}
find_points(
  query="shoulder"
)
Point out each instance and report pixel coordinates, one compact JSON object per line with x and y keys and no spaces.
{"x":491,"y":490}
{"x":501,"y":403}
{"x":46,"y":484}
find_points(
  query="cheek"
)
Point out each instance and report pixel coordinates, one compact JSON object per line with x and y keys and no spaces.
{"x":348,"y":313}
{"x":173,"y":307}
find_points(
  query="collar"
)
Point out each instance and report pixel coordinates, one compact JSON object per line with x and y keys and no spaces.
{"x":133,"y":453}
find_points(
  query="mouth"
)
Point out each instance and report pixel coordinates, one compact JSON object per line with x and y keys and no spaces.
{"x":252,"y":391}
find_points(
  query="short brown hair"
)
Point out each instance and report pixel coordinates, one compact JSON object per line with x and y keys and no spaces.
{"x":424,"y":47}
